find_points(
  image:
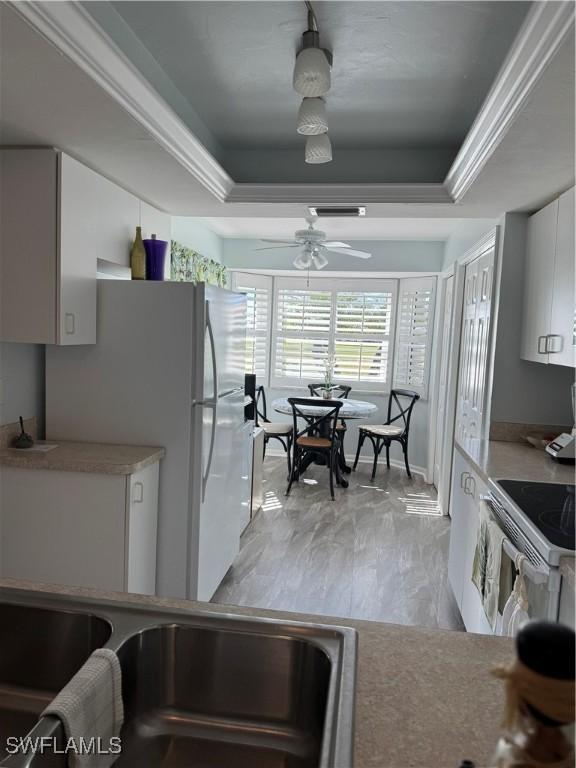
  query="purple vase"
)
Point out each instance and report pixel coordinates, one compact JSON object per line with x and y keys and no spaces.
{"x":155,"y":257}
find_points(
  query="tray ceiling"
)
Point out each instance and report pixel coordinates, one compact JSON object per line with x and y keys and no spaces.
{"x":408,"y":79}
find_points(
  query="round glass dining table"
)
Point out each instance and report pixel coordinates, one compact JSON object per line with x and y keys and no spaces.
{"x":351,"y":409}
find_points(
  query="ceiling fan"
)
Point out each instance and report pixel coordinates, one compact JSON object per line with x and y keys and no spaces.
{"x":313,"y":247}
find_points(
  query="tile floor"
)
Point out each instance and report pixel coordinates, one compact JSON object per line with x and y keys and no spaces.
{"x":379,"y":552}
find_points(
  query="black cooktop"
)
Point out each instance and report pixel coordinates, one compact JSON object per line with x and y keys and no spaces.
{"x":550,"y":506}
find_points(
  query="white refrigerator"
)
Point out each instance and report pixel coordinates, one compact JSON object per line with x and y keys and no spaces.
{"x":167,"y":369}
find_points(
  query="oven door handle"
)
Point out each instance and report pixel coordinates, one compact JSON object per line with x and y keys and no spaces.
{"x":531,"y":572}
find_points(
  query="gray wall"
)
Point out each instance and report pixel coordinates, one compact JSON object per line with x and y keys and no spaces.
{"x":22,"y":375}
{"x":522,"y":392}
{"x":387,"y":256}
{"x":195,"y":234}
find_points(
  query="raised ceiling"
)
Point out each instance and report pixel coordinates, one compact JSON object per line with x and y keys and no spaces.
{"x":47,"y":99}
{"x":408,"y":79}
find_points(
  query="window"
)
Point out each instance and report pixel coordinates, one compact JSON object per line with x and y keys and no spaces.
{"x":258,"y":290}
{"x":345,"y":318}
{"x":414,"y":333}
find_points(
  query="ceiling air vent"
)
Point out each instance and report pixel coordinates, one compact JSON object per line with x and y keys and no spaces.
{"x":316,"y":210}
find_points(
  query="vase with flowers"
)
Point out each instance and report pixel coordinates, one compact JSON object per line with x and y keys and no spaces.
{"x":328,"y":376}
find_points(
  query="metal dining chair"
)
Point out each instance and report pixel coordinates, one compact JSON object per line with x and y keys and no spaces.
{"x":272,"y":430}
{"x":317,"y":437}
{"x":340,"y":391}
{"x":382,"y":435}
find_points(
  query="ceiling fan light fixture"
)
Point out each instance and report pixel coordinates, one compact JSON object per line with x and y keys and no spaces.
{"x":312,"y":119}
{"x":320,"y":261}
{"x":312,"y":72}
{"x":302,"y":261}
{"x":318,"y":149}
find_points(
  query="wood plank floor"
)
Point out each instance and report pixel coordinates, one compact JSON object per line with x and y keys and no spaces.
{"x":379,"y":552}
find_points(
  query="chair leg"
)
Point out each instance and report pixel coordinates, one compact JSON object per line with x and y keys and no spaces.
{"x":376,"y":454}
{"x":361,"y":438}
{"x":405,"y":449}
{"x":292,"y":475}
{"x":331,"y":459}
{"x":388,"y":455}
{"x":288,"y":452}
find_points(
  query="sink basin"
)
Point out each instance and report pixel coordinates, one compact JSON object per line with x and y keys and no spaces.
{"x":200,"y":688}
{"x":211,"y":697}
{"x":40,"y":650}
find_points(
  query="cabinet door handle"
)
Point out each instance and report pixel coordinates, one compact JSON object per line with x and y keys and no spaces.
{"x":551,"y":347}
{"x":138,"y":493}
{"x":70,"y":323}
{"x":470,"y":481}
{"x":540,"y":340}
{"x":463,"y":475}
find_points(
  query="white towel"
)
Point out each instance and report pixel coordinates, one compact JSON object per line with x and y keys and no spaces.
{"x":90,"y":708}
{"x":488,"y":561}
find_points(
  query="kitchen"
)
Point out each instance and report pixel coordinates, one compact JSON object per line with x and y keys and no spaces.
{"x":141,"y":383}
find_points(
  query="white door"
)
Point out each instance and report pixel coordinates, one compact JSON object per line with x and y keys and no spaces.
{"x":474,"y":349}
{"x":467,"y":352}
{"x":443,"y":379}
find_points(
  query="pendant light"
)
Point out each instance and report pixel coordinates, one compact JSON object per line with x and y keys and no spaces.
{"x":312,"y":117}
{"x":318,"y":149}
{"x":312,"y":68}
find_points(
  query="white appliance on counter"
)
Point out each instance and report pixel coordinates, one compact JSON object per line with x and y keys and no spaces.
{"x":167,"y":370}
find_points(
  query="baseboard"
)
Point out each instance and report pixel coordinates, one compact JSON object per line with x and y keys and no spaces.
{"x":398,"y":463}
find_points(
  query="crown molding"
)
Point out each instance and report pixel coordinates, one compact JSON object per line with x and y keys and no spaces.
{"x":543,"y":32}
{"x":74,"y":33}
{"x":344,"y":194}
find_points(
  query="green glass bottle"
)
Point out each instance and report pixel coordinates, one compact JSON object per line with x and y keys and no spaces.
{"x":138,"y":257}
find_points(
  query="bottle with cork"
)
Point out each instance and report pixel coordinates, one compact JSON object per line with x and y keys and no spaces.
{"x":539,"y":710}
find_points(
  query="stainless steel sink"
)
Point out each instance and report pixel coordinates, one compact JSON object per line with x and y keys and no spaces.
{"x":200,"y":688}
{"x":40,"y":650}
{"x":211,"y":697}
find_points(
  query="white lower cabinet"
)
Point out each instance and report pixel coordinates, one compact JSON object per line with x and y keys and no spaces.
{"x":467,"y":489}
{"x":81,"y":529}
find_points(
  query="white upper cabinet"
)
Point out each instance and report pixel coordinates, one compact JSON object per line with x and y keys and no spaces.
{"x":58,"y":218}
{"x":562,"y":341}
{"x":548,"y":319}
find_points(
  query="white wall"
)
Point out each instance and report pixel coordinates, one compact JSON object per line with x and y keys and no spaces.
{"x":467,"y":234}
{"x":195,"y":234}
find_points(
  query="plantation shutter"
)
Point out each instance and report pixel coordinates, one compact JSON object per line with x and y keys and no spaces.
{"x":303,"y":323}
{"x":362,"y":335}
{"x":414,"y":333}
{"x":258,"y":290}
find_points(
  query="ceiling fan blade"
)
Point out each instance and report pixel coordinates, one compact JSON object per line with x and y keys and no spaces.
{"x":276,"y":247}
{"x":268,"y":240}
{"x":352,"y":252}
{"x":335,"y":244}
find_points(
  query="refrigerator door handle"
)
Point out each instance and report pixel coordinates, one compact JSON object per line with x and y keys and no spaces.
{"x":210,"y":331}
{"x":206,"y":474}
